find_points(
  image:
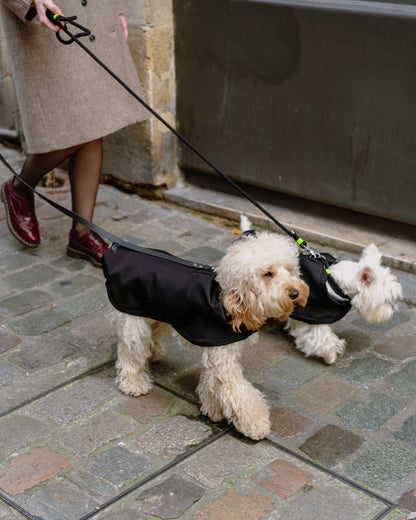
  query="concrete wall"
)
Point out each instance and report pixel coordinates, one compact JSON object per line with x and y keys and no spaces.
{"x":142,"y":156}
{"x":314,"y":103}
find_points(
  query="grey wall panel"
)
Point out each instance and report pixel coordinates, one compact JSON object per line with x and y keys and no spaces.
{"x":316,"y":103}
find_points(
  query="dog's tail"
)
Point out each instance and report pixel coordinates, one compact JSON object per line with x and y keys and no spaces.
{"x":245,"y":224}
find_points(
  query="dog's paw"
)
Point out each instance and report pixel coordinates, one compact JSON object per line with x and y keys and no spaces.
{"x":317,"y":340}
{"x":135,"y":385}
{"x":331,"y":352}
{"x":257,"y":430}
{"x":252,"y":417}
{"x":214,"y":414}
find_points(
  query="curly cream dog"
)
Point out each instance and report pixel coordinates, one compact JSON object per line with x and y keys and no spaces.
{"x":259,"y":279}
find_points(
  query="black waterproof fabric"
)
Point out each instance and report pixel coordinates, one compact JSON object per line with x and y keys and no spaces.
{"x":322,"y":307}
{"x":187,"y":296}
{"x":184,"y":295}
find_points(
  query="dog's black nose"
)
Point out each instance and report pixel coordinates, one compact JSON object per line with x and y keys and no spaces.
{"x":293,"y":294}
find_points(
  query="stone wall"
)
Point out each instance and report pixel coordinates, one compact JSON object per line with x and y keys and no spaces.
{"x":8,"y":122}
{"x":142,"y":156}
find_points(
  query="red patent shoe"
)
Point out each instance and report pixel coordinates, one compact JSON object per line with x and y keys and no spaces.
{"x":20,"y":213}
{"x":89,"y":247}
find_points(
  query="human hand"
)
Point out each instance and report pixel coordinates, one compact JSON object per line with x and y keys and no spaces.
{"x":124,"y":26}
{"x":41,"y":7}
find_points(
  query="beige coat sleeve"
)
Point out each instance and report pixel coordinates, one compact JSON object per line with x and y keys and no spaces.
{"x":121,"y":6}
{"x":21,"y":8}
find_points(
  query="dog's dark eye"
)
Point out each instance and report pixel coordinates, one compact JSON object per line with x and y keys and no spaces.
{"x":268,"y":274}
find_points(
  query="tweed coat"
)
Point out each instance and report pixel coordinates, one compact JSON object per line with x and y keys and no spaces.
{"x":64,"y":97}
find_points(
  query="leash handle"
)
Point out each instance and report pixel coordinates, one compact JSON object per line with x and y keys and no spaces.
{"x":61,"y":22}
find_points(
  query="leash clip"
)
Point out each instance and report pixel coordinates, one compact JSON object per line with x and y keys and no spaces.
{"x":311,"y":252}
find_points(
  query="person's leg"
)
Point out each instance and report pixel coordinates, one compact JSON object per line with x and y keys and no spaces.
{"x":18,"y":198}
{"x":84,"y":174}
{"x":38,"y":165}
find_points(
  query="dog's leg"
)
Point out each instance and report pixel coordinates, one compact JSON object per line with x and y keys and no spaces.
{"x":206,"y":390}
{"x":159,"y":330}
{"x":316,"y":340}
{"x":133,"y":352}
{"x":224,"y":392}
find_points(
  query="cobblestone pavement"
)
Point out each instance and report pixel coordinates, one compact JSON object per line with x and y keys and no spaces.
{"x":73,"y":447}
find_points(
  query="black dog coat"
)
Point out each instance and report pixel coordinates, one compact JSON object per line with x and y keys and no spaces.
{"x":322,"y":307}
{"x":172,"y":290}
{"x":155,"y":284}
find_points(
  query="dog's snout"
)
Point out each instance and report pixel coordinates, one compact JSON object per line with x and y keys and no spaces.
{"x":293,"y":294}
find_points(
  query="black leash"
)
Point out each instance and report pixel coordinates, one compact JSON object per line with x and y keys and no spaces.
{"x":118,"y":241}
{"x":61,"y":22}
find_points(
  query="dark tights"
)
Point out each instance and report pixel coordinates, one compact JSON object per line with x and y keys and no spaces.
{"x":84,"y":168}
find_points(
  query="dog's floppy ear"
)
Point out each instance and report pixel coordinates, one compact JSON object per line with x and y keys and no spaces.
{"x":243,"y":310}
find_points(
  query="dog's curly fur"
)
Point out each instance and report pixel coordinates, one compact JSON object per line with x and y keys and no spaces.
{"x":259,"y":280}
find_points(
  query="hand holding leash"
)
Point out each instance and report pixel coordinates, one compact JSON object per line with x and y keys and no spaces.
{"x":42,"y":8}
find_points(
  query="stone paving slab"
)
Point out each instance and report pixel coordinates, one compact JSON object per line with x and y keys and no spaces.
{"x":281,"y":488}
{"x":8,"y":513}
{"x":26,"y":471}
{"x":355,"y":418}
{"x":103,"y":449}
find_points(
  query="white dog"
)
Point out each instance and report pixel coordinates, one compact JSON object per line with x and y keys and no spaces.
{"x":258,"y":279}
{"x":373,"y":291}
